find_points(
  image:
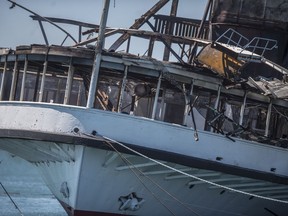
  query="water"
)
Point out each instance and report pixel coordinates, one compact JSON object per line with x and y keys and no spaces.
{"x":26,"y":188}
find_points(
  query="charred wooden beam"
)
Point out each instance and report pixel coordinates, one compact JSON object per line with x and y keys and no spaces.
{"x":138,"y":23}
{"x":107,"y":34}
{"x":69,"y":82}
{"x":166,"y":42}
{"x":32,"y":12}
{"x":64,"y":21}
{"x":98,"y":54}
{"x":3,"y":78}
{"x":43,"y":32}
{"x":146,"y":35}
{"x":151,"y":46}
{"x":201,"y":29}
{"x":170,"y":27}
{"x":24,"y":79}
{"x":14,"y":80}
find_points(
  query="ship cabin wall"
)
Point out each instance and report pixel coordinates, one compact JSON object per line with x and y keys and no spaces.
{"x":160,"y":98}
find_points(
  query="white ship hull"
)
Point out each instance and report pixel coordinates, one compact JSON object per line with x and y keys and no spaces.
{"x":89,"y":177}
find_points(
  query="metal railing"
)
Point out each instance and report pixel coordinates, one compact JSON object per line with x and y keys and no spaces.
{"x":248,"y":50}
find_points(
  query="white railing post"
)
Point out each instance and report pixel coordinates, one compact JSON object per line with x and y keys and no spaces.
{"x":98,"y":55}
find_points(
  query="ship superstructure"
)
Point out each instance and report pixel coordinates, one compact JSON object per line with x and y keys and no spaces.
{"x":203,"y":131}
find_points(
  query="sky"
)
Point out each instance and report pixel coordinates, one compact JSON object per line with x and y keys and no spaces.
{"x":17,"y":28}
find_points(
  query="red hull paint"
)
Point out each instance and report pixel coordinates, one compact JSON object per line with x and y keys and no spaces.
{"x":74,"y":212}
{"x":88,"y":213}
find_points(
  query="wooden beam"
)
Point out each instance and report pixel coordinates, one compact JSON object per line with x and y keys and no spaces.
{"x":146,"y":35}
{"x":169,"y":28}
{"x":64,"y":21}
{"x":138,"y":23}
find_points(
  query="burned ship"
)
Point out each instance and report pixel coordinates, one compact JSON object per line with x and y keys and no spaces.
{"x":201,"y":131}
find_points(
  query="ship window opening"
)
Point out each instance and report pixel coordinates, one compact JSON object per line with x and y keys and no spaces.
{"x":174,"y":113}
{"x":18,"y":86}
{"x":54,"y":86}
{"x":2,"y":68}
{"x":204,"y":105}
{"x":145,"y":94}
{"x":174,"y":106}
{"x":14,"y":82}
{"x":78,"y":96}
{"x":223,"y":119}
{"x":143,"y":107}
{"x":199,"y":109}
{"x":6,"y":88}
{"x":31,"y":86}
{"x":261,"y":118}
{"x":129,"y":101}
{"x":54,"y":89}
{"x":1,"y":72}
{"x":281,"y":123}
{"x":230,"y":122}
{"x":137,"y":97}
{"x":231,"y":110}
{"x":107,"y":94}
{"x":201,"y":103}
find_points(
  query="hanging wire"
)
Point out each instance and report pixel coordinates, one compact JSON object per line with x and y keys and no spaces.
{"x":11,"y":199}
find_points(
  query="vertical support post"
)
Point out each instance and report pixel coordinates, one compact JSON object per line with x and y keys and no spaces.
{"x":69,"y":82}
{"x":133,"y":103}
{"x":3,"y":79}
{"x":156,"y":96}
{"x":43,"y":81}
{"x":163,"y":106}
{"x":43,"y":33}
{"x":79,"y":95}
{"x":14,"y":79}
{"x":209,"y":18}
{"x":217,"y":103}
{"x":169,"y":28}
{"x":151,"y":46}
{"x":57,"y":97}
{"x":268,"y":117}
{"x":243,"y":109}
{"x":218,"y":98}
{"x":200,"y":30}
{"x":80,"y":34}
{"x":119,"y":105}
{"x":138,"y":23}
{"x":182,"y":51}
{"x":23,"y":79}
{"x":188,"y":101}
{"x":128,"y":45}
{"x":98,"y":55}
{"x":36,"y":85}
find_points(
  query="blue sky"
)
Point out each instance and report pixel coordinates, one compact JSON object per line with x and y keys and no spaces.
{"x":17,"y":28}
